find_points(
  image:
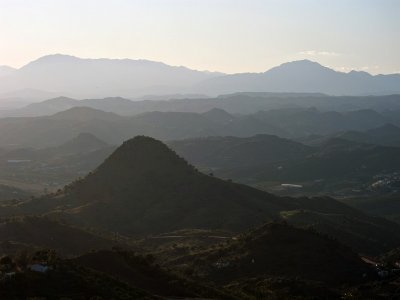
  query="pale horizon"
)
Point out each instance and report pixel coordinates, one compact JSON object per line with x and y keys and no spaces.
{"x":225,"y":36}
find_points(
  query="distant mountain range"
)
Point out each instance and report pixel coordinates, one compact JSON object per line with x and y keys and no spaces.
{"x":77,"y":77}
{"x":239,"y":103}
{"x":304,"y":76}
{"x":86,"y":78}
{"x":41,"y":132}
{"x":53,"y":130}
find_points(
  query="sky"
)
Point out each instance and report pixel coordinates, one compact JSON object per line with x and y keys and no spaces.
{"x":230,"y":36}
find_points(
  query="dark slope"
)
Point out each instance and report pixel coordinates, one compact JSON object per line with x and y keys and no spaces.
{"x":278,"y":250}
{"x":105,"y":274}
{"x":67,"y":281}
{"x":384,"y":206}
{"x":38,"y":233}
{"x":142,"y":273}
{"x":365,"y":234}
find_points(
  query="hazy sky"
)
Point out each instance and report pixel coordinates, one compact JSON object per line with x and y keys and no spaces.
{"x":223,"y":35}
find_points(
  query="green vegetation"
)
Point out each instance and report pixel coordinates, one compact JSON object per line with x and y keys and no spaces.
{"x":145,"y":188}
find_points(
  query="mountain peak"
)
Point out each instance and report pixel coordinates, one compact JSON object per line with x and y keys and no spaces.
{"x":305,"y":62}
{"x":300,"y":66}
{"x":84,"y":113}
{"x":143,"y":155}
{"x":139,"y":143}
{"x":52,"y":60}
{"x":56,"y":58}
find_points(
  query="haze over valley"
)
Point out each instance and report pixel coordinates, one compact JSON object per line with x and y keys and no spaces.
{"x":199,"y":150}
